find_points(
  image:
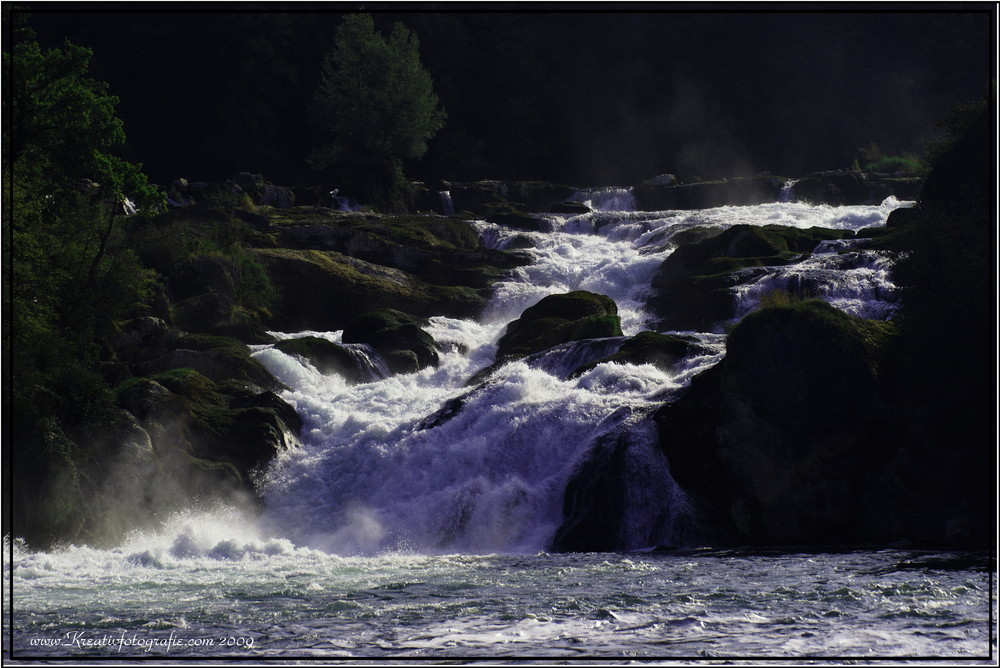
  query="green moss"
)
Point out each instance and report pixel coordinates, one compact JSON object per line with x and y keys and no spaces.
{"x":412,"y":231}
{"x":201,"y":397}
{"x":325,"y":289}
{"x":216,"y":468}
{"x":559,"y":319}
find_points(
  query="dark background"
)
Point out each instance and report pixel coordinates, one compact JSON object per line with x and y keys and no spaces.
{"x":576,"y":97}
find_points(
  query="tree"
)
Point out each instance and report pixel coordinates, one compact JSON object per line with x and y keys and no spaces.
{"x":376,"y":103}
{"x":69,"y":276}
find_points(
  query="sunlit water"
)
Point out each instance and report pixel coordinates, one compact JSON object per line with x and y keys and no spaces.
{"x":214,"y":589}
{"x":415,"y":518}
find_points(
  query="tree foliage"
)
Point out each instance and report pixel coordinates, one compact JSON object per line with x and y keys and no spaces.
{"x":377,"y":106}
{"x":69,"y":277}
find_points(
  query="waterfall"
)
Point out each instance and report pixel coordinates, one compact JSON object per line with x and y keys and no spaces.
{"x":447,"y":206}
{"x":369,"y":362}
{"x":857,"y":282}
{"x":423,"y":462}
{"x":606,"y":199}
{"x":785,"y":195}
{"x":343,"y":202}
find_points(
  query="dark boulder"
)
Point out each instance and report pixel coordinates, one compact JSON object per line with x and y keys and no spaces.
{"x":783,"y":442}
{"x":572,"y":208}
{"x":840,"y":188}
{"x":396,"y":336}
{"x":661,"y":350}
{"x":435,"y":249}
{"x":279,"y":197}
{"x":218,"y":358}
{"x":328,"y":357}
{"x":621,"y":495}
{"x":510,"y":217}
{"x":481,"y":197}
{"x":218,"y":435}
{"x":561,"y":318}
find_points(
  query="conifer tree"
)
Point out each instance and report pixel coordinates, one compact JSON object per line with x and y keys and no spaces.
{"x":377,"y":107}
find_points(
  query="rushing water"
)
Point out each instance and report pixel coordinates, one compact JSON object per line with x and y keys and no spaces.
{"x":414,"y":519}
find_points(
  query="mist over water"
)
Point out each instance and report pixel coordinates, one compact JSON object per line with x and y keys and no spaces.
{"x":415,"y":517}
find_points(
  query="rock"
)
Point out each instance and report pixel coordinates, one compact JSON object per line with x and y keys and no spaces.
{"x":215,"y":436}
{"x":251,"y":184}
{"x":537,"y":196}
{"x":395,"y":335}
{"x":903,"y":217}
{"x":691,"y":290}
{"x":783,"y":441}
{"x":142,"y":339}
{"x":661,"y":180}
{"x":660,"y":350}
{"x":572,"y":208}
{"x":559,"y":319}
{"x":328,"y":357}
{"x":621,"y":497}
{"x":216,"y":357}
{"x":323,"y":290}
{"x":277,"y":196}
{"x":843,"y":187}
{"x":436,"y":249}
{"x":476,"y":197}
{"x":707,"y":194}
{"x":510,"y":217}
{"x":201,"y":274}
{"x":525,"y":196}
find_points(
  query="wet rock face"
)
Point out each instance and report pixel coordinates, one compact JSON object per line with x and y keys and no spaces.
{"x":784,"y":441}
{"x":329,"y":358}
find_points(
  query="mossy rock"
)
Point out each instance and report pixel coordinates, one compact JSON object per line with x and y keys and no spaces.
{"x":439,"y":250}
{"x":218,"y":358}
{"x":776,"y":356}
{"x":559,"y":319}
{"x":324,"y":290}
{"x":661,"y":350}
{"x":691,"y":288}
{"x":508,"y":216}
{"x":230,"y":426}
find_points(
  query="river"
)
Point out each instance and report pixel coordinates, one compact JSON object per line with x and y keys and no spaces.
{"x":416,"y":518}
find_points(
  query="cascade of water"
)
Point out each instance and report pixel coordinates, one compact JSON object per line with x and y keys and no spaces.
{"x":606,"y":199}
{"x":642,"y":506}
{"x":421,"y":462}
{"x":447,"y":206}
{"x":367,"y":360}
{"x":785,"y":195}
{"x":343,"y":202}
{"x":857,"y":283}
